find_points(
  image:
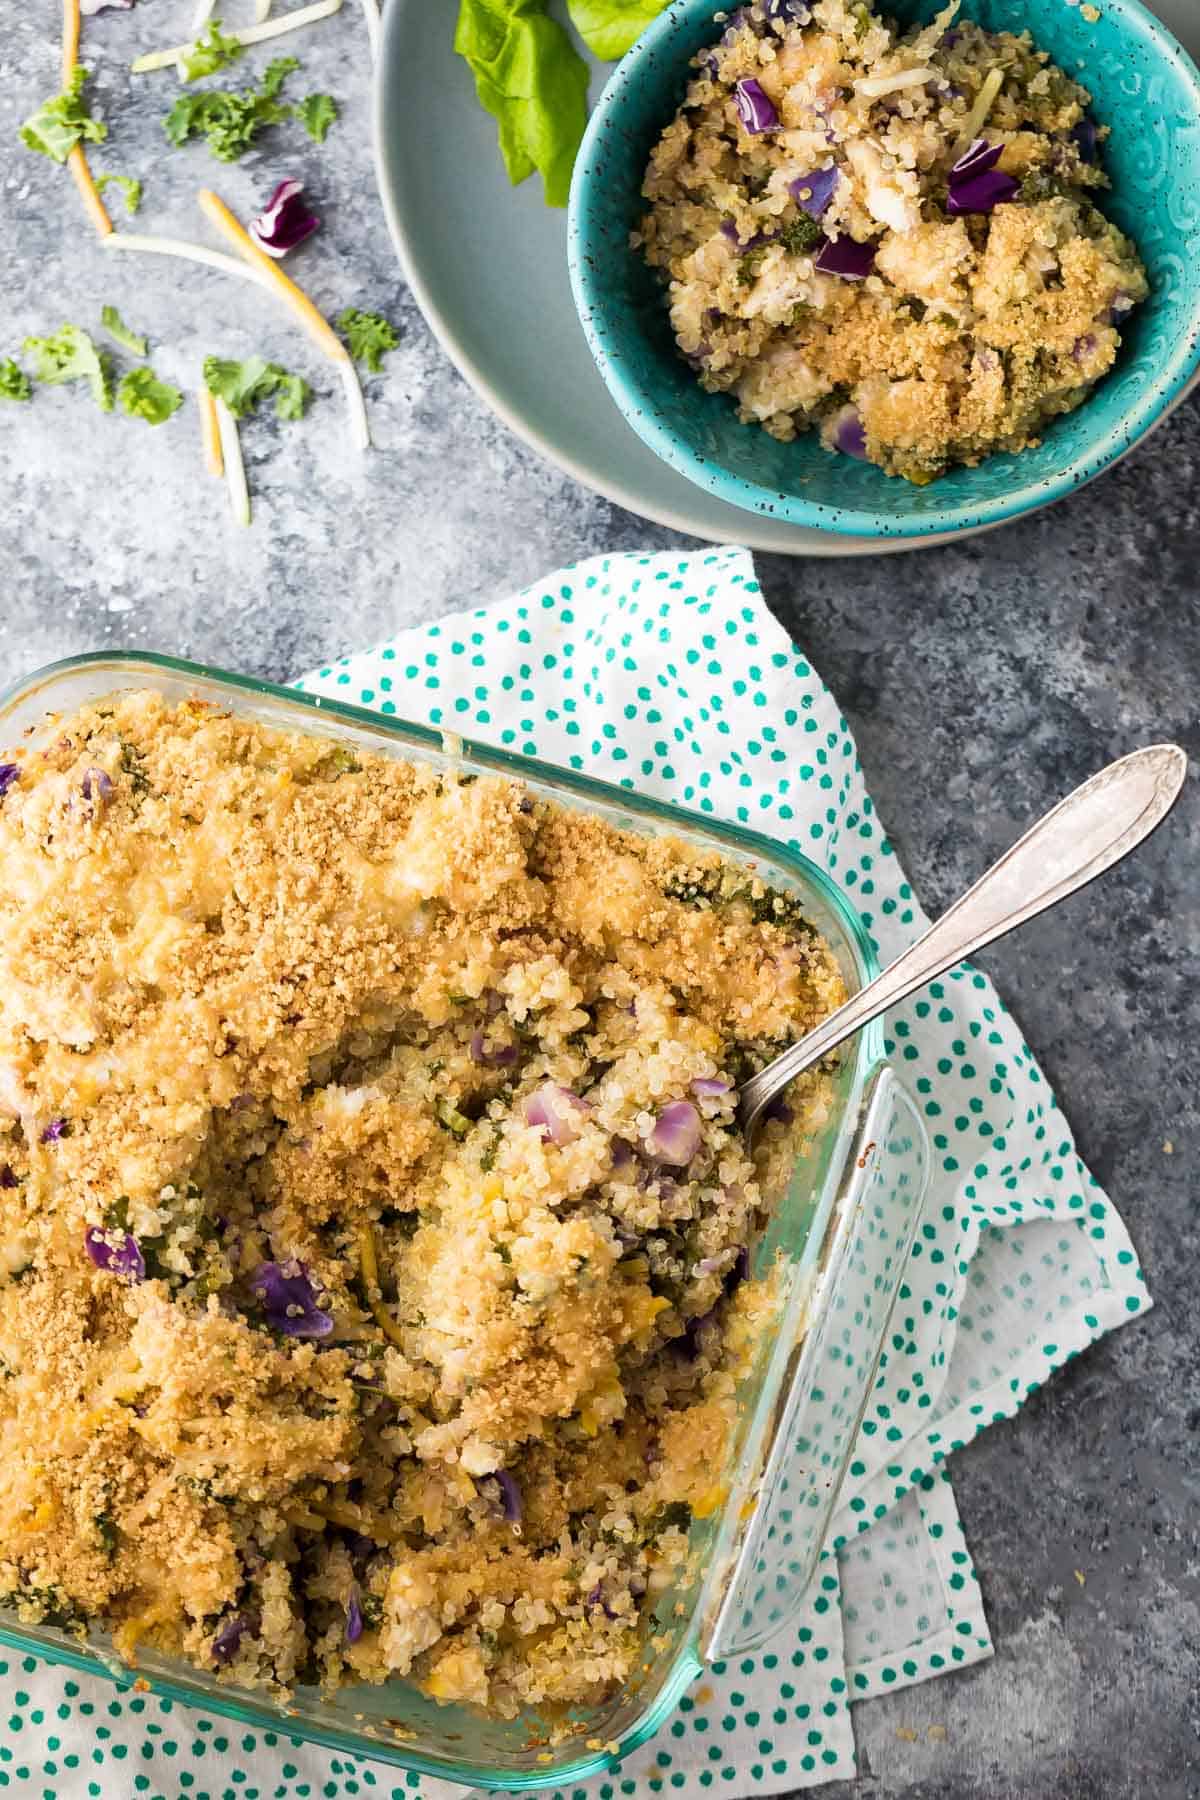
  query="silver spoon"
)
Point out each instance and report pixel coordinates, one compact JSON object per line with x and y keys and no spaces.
{"x":1078,"y":839}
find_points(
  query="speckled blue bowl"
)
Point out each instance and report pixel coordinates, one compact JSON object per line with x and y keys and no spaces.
{"x":1143,"y":84}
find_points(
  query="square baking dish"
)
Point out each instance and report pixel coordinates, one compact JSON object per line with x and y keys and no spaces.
{"x":837,"y":1241}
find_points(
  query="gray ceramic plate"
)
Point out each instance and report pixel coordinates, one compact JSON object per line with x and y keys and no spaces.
{"x":488,"y":266}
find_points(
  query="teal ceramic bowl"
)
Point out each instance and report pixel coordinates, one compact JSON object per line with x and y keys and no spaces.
{"x":1143,"y":84}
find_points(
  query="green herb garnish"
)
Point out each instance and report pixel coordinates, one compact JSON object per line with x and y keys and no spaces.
{"x":117,"y":329}
{"x":451,"y":1119}
{"x":241,"y":385}
{"x":212,"y":51}
{"x":369,"y":336}
{"x":143,"y":396}
{"x":801,"y":234}
{"x":63,"y":121}
{"x":317,"y":112}
{"x":70,"y":355}
{"x":230,"y":121}
{"x":129,"y":186}
{"x":14,"y":383}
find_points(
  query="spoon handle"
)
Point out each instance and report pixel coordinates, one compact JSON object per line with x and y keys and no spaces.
{"x":1080,"y":838}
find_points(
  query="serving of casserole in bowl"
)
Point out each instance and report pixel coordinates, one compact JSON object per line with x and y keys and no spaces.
{"x":394,"y":1325}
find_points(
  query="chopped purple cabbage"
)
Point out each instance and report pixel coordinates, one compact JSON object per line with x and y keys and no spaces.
{"x":9,"y":772}
{"x":228,"y":1640}
{"x":596,"y":1598}
{"x":1086,"y":138}
{"x":117,"y":1252}
{"x":711,"y":1086}
{"x":813,"y":193}
{"x":975,"y":183}
{"x":354,"y":1617}
{"x":290,"y":1300}
{"x":284,"y":222}
{"x":843,"y":256}
{"x":754,"y":109}
{"x":847,"y":434}
{"x":1083,"y":347}
{"x":675,"y":1138}
{"x":56,"y":1130}
{"x":510,"y":1494}
{"x":97,"y":786}
{"x":7,"y":1178}
{"x":492,"y":1056}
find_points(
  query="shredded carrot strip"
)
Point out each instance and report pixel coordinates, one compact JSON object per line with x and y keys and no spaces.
{"x":317,"y":327}
{"x":97,"y":212}
{"x":369,"y":1263}
{"x":70,"y":40}
{"x":210,"y":432}
{"x":77,"y":162}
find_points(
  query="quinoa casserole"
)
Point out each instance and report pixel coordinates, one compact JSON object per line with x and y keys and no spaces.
{"x":888,"y":237}
{"x":373,"y":1262}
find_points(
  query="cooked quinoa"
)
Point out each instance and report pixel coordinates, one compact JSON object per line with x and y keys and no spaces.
{"x":888,"y":237}
{"x":373,"y":1216}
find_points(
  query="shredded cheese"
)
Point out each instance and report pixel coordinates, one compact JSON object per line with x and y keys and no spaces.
{"x":369,"y":1264}
{"x":299,"y":303}
{"x":235,"y":468}
{"x":210,"y":431}
{"x":199,"y":253}
{"x":371,"y":15}
{"x":318,"y":329}
{"x":249,"y":34}
{"x":984,"y":102}
{"x":70,"y":40}
{"x":873,"y":86}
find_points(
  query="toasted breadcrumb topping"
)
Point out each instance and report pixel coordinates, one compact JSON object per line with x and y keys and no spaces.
{"x":373,"y":1215}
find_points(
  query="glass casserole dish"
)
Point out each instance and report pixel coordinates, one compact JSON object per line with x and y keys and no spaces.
{"x":837,"y":1241}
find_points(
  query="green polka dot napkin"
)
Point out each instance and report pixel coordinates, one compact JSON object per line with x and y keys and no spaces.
{"x":668,"y":673}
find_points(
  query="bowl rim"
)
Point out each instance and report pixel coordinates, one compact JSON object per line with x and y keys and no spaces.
{"x":1158,"y":396}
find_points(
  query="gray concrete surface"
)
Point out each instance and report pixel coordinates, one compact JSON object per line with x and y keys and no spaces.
{"x":981,"y":679}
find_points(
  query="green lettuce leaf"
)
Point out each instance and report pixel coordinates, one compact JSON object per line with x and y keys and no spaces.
{"x":14,"y":383}
{"x":241,"y":385}
{"x":62,"y":122}
{"x":119,"y":331}
{"x":212,"y":51}
{"x":317,"y":113}
{"x":611,"y":27}
{"x":534,"y":83}
{"x":129,"y":186}
{"x":70,"y":355}
{"x":143,"y":396}
{"x":369,"y":336}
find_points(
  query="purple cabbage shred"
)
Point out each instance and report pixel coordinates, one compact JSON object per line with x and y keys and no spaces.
{"x":813,"y":193}
{"x":754,"y":109}
{"x":284,"y":222}
{"x":354,"y":1617}
{"x":9,"y":772}
{"x":56,"y":1130}
{"x":117,"y":1252}
{"x":845,"y":257}
{"x":289,"y":1300}
{"x":975,"y":183}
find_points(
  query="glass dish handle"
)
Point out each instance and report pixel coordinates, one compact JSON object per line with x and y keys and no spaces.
{"x":823,"y":1405}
